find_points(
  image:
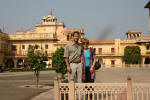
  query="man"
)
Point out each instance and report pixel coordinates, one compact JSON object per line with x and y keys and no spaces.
{"x":72,"y":56}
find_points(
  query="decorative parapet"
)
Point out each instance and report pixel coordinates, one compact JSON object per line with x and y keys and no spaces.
{"x":25,"y":31}
{"x":102,"y":42}
{"x":4,"y":36}
{"x":20,"y":54}
{"x":108,"y":54}
{"x":33,"y":36}
{"x":144,"y":39}
{"x":67,"y":31}
{"x":128,"y":41}
{"x":49,"y":24}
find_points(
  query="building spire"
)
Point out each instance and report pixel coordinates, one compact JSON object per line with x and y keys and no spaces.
{"x":51,"y":13}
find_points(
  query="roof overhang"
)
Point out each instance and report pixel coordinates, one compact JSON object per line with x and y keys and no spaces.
{"x":143,"y":41}
{"x":147,"y":5}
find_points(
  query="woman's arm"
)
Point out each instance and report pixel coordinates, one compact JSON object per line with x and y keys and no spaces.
{"x":92,"y":67}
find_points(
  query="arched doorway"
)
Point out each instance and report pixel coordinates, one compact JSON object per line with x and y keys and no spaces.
{"x":147,"y":61}
{"x":10,"y":63}
{"x":20,"y":63}
{"x":100,"y":61}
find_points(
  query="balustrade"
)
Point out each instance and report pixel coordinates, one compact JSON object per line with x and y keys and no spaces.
{"x":101,"y":91}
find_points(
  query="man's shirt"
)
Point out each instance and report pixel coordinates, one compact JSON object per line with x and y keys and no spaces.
{"x":70,"y":49}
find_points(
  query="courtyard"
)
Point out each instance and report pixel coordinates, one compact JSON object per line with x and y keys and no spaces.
{"x":12,"y":84}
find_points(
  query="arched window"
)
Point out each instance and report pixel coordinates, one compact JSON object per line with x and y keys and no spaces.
{"x":46,"y":46}
{"x":67,"y":37}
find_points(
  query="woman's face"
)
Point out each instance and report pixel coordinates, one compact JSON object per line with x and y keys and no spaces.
{"x":85,"y":45}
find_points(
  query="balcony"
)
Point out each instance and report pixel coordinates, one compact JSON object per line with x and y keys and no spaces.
{"x":148,"y":51}
{"x":50,"y":54}
{"x":3,"y":50}
{"x":13,"y":54}
{"x":22,"y":54}
{"x":107,"y":54}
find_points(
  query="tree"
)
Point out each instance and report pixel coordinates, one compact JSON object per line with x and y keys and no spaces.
{"x":59,"y":61}
{"x":35,"y":60}
{"x":132,"y":55}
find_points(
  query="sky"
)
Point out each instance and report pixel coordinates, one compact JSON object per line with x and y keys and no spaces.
{"x":100,"y":19}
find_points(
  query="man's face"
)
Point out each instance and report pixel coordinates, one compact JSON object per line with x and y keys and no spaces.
{"x":76,"y":37}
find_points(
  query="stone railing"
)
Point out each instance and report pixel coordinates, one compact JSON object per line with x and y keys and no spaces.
{"x":141,"y":91}
{"x":126,"y":66}
{"x":137,"y":65}
{"x":101,"y":91}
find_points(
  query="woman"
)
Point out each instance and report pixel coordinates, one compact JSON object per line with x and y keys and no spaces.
{"x":88,"y":60}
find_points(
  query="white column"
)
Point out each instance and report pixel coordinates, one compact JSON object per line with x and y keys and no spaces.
{"x":127,"y":36}
{"x":72,"y":89}
{"x":139,"y":35}
{"x":135,"y":36}
{"x":129,"y":88}
{"x":56,"y":89}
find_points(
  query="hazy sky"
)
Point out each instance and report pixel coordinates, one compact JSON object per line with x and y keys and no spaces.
{"x":100,"y":19}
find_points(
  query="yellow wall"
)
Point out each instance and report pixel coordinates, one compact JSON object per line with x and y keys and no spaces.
{"x":3,"y":50}
{"x":107,"y":62}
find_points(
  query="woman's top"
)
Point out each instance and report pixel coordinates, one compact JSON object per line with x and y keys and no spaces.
{"x":92,"y":57}
{"x":87,"y":57}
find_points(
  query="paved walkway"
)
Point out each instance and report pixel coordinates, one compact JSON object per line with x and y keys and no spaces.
{"x":49,"y":95}
{"x":21,"y":85}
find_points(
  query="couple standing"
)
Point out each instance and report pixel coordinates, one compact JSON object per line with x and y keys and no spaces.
{"x":80,"y":60}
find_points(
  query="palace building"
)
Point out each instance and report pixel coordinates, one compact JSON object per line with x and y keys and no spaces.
{"x":48,"y":35}
{"x":51,"y":34}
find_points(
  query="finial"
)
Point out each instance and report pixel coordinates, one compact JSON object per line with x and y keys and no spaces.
{"x":128,"y":78}
{"x":51,"y":12}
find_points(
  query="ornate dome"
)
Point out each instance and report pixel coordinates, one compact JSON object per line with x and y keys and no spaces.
{"x":49,"y":18}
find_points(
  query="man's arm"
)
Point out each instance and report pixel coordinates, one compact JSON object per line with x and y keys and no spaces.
{"x":68,"y":65}
{"x":66,"y":56}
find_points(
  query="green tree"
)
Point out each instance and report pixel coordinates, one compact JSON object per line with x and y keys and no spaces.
{"x":35,"y":60}
{"x":132,"y":55}
{"x":59,"y":62}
